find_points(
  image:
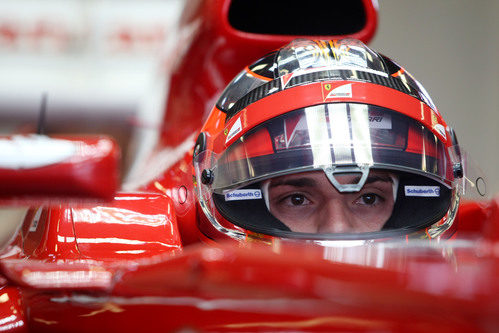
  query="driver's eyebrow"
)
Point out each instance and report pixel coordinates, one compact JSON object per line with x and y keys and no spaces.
{"x":297,"y":182}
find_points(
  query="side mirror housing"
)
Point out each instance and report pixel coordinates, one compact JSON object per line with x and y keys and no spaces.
{"x":36,"y":169}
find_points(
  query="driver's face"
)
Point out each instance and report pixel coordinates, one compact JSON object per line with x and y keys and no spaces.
{"x":307,"y":202}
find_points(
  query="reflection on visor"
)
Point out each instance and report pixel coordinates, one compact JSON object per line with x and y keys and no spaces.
{"x":331,"y":137}
{"x":345,"y":53}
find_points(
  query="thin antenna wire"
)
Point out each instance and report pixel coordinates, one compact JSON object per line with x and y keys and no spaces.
{"x":41,"y":117}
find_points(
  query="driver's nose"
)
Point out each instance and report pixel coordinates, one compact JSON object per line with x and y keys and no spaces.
{"x":335,"y":217}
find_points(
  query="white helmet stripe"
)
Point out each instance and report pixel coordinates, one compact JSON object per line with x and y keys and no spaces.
{"x":316,"y":122}
{"x":340,"y":133}
{"x":361,"y":134}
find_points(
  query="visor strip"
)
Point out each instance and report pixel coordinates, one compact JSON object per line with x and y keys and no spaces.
{"x":340,"y":134}
{"x":316,"y":121}
{"x":359,"y":120}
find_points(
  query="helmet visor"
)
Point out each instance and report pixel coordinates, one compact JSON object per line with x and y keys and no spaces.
{"x":336,"y":138}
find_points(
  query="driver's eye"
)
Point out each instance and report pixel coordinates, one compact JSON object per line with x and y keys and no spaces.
{"x":369,"y":198}
{"x":297,"y":199}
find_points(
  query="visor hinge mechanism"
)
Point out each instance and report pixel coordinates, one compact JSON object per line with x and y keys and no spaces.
{"x":458,"y":170}
{"x":207,"y":176}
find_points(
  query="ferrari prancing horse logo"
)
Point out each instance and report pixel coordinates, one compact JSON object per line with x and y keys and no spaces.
{"x":342,"y":91}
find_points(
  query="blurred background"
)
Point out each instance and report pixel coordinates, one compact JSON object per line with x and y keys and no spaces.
{"x":102,"y":66}
{"x":452,"y":48}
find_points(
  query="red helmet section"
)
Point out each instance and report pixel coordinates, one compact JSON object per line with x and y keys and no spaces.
{"x":316,"y":93}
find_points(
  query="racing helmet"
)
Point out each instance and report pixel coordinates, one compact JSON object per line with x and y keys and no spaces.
{"x":319,"y":121}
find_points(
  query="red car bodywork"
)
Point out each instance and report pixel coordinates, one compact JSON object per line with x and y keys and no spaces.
{"x":139,"y":262}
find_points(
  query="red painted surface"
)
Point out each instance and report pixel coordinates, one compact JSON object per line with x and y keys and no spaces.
{"x":260,"y":287}
{"x":134,"y":225}
{"x":91,"y":172}
{"x":12,"y":308}
{"x":137,"y":263}
{"x":214,"y":53}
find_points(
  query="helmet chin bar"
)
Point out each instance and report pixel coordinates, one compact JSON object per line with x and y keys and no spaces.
{"x":333,"y":170}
